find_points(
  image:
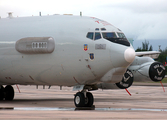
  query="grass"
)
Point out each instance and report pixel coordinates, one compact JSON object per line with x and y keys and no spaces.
{"x":164,"y":80}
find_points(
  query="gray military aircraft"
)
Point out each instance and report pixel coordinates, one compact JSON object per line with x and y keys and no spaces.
{"x":84,"y":52}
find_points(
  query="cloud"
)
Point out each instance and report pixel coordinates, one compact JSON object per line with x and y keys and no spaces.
{"x":141,"y":6}
{"x":139,"y":19}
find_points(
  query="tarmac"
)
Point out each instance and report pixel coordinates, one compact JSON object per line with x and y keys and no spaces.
{"x":146,"y":102}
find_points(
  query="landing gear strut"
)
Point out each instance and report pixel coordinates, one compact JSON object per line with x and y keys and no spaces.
{"x":6,"y":93}
{"x":83,"y":99}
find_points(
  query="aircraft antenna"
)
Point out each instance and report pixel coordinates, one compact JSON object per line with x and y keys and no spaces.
{"x":160,"y":48}
{"x":81,"y":14}
{"x":39,"y":13}
{"x":10,"y":15}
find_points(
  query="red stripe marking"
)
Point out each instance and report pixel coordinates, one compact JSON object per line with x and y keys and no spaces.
{"x":128,"y":92}
{"x":89,"y":67}
{"x":18,"y":89}
{"x":76,"y":80}
{"x":31,"y":77}
{"x":97,"y":22}
{"x":162,"y":86}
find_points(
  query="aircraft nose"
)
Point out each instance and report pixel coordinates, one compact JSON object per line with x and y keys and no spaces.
{"x":129,"y":55}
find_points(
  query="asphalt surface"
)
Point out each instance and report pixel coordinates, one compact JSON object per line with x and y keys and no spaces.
{"x":145,"y":102}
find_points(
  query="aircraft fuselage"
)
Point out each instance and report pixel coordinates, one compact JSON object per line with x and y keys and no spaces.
{"x":74,"y":58}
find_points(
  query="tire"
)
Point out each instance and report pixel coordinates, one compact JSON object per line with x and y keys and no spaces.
{"x":9,"y":92}
{"x":90,"y":99}
{"x":79,"y":100}
{"x":1,"y":92}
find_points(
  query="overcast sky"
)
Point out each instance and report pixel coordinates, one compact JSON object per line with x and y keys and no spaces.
{"x":138,"y":19}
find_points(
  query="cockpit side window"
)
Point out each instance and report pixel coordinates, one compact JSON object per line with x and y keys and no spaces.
{"x":121,"y":35}
{"x":90,"y":35}
{"x":97,"y":35}
{"x":103,"y":29}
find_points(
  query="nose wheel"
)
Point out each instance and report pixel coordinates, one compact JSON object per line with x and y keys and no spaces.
{"x":83,"y":99}
{"x":1,"y":92}
{"x":6,"y":93}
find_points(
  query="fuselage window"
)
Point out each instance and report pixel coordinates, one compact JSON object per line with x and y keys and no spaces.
{"x":90,"y":35}
{"x":39,"y":45}
{"x":97,"y":35}
{"x":97,"y":29}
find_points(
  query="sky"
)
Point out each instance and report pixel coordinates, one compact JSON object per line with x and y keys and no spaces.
{"x":138,"y":19}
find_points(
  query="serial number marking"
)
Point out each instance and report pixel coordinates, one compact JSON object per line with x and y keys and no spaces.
{"x":100,"y":46}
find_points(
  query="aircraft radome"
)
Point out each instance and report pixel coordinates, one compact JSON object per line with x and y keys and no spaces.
{"x":84,"y":52}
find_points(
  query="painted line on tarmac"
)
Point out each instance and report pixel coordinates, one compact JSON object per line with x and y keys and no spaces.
{"x":74,"y":109}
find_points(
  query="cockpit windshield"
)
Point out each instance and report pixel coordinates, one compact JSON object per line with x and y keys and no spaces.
{"x":111,"y":36}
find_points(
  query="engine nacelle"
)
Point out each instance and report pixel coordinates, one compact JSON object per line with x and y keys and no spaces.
{"x":157,"y":71}
{"x":149,"y":70}
{"x":142,"y":69}
{"x":126,"y":82}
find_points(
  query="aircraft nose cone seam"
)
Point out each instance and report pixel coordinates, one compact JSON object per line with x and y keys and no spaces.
{"x":129,"y":55}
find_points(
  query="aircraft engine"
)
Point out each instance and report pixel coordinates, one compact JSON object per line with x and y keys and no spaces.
{"x":126,"y":82}
{"x":156,"y":71}
{"x":149,"y":70}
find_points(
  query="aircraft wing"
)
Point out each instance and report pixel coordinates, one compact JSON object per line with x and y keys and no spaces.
{"x":152,"y":54}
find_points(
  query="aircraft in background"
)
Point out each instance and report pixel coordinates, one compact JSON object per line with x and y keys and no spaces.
{"x":84,"y":52}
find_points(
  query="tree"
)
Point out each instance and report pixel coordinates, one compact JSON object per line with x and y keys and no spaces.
{"x":151,"y":48}
{"x":145,"y":47}
{"x":162,"y":56}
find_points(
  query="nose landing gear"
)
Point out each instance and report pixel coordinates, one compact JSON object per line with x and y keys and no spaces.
{"x":6,"y":93}
{"x":83,"y":99}
{"x":1,"y":92}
